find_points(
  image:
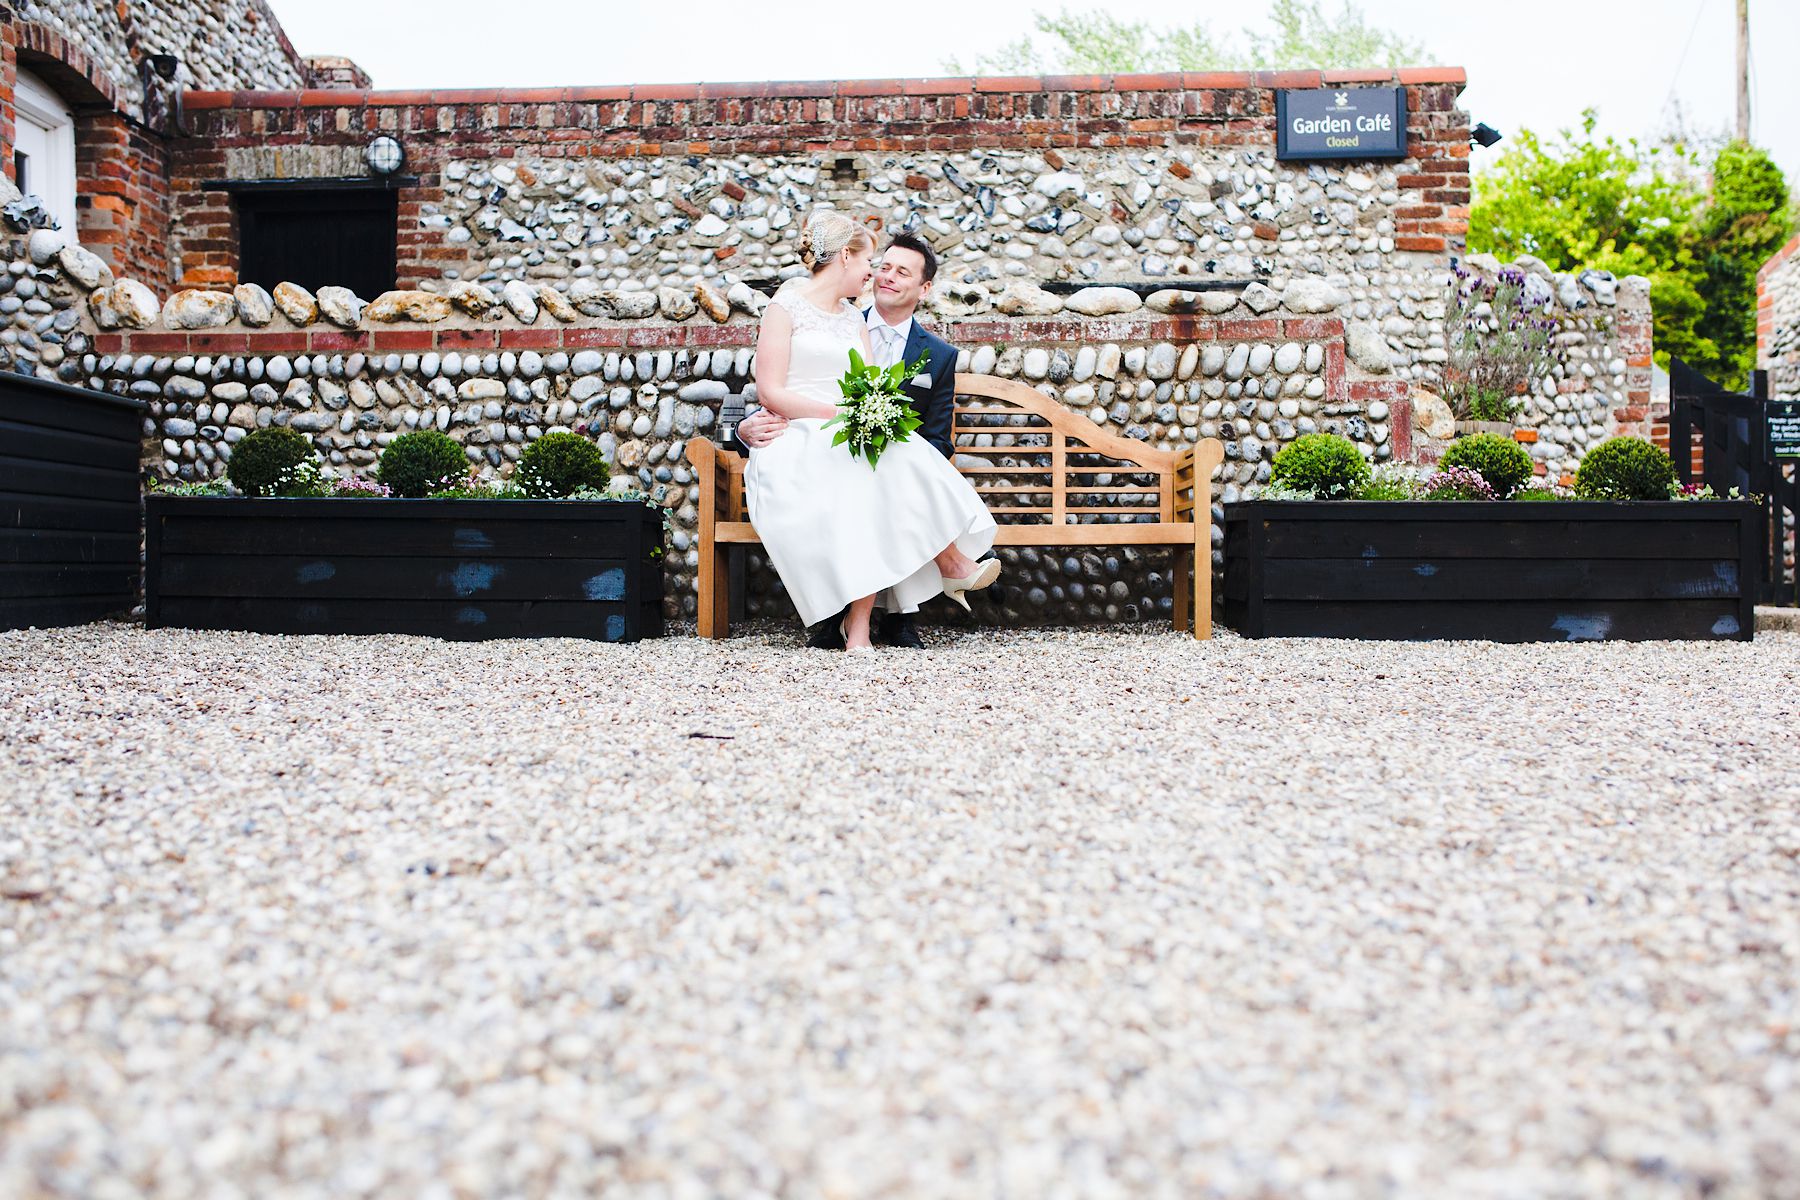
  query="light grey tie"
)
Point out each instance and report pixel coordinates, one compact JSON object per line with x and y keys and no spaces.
{"x":891,"y":346}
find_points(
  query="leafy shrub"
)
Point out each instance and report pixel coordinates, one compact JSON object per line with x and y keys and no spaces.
{"x":418,"y":464}
{"x":1538,"y":493}
{"x":1504,"y":463}
{"x":1491,"y":406}
{"x":1326,"y":465}
{"x":475,"y":489}
{"x":261,"y":462}
{"x":1704,"y":491}
{"x":1390,"y":483}
{"x":560,"y":463}
{"x":302,"y":481}
{"x":199,"y":487}
{"x":1625,"y":468}
{"x":1457,"y":483}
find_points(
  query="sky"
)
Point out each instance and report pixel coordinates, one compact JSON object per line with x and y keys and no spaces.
{"x":1531,"y":63}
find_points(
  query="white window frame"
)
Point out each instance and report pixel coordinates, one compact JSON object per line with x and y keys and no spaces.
{"x":54,"y":181}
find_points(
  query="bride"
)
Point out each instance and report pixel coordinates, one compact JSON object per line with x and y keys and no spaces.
{"x":840,"y":533}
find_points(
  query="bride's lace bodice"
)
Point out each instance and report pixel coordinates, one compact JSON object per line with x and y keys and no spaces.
{"x":819,"y":352}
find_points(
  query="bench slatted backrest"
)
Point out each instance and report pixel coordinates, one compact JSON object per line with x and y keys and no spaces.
{"x":1033,"y":462}
{"x":1036,"y":463}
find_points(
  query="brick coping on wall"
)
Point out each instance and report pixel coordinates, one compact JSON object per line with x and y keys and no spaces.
{"x":1173,"y":81}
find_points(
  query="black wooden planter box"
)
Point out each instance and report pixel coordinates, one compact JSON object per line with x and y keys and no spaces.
{"x":1513,"y":571}
{"x":462,"y":569}
{"x":68,"y":503}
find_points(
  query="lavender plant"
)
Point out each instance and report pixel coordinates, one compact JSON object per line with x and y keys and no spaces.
{"x":1501,"y":342}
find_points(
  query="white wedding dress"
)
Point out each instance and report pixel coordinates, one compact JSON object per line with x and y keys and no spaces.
{"x":835,"y":528}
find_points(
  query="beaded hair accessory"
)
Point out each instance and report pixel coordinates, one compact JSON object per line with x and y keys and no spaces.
{"x":823,"y":236}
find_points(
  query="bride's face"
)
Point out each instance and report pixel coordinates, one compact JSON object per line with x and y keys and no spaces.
{"x":857,"y":270}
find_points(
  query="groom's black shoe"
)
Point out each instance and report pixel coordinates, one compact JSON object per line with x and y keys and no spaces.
{"x":898,"y":629}
{"x":827,"y":635}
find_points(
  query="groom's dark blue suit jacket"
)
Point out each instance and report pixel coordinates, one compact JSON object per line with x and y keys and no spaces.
{"x":936,"y":404}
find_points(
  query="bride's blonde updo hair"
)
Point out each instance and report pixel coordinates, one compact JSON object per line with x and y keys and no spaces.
{"x":826,"y":234}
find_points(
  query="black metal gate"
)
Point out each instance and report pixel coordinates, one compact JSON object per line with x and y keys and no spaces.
{"x":1734,"y":451}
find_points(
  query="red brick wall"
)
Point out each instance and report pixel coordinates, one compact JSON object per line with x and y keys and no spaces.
{"x":122,"y":196}
{"x":1633,"y":331}
{"x":121,"y":170}
{"x":1229,"y":108}
{"x":9,"y":82}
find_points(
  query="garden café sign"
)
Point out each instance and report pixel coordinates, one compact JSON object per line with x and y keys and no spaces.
{"x":1340,"y":123}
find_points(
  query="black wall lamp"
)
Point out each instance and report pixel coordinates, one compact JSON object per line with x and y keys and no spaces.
{"x":162,"y":100}
{"x":1483,"y":135}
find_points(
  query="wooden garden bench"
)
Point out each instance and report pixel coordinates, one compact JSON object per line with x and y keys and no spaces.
{"x":1049,"y":476}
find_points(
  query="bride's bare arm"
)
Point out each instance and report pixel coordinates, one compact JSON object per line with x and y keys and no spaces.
{"x":772,"y":391}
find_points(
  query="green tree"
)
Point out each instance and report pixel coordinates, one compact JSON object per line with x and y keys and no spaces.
{"x":1096,"y":42}
{"x":1305,"y":37}
{"x":1746,"y":221}
{"x":1579,"y":201}
{"x":1576,"y":197}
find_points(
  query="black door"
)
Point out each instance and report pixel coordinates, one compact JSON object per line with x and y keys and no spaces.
{"x":315,"y":237}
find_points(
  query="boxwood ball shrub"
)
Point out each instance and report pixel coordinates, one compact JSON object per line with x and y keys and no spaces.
{"x":1328,"y":466}
{"x":418,"y":464}
{"x":1504,"y":463}
{"x":560,"y":464}
{"x":1625,"y":468}
{"x":265,"y":456}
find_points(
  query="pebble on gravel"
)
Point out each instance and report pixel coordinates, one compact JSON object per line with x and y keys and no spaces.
{"x":1043,"y":913}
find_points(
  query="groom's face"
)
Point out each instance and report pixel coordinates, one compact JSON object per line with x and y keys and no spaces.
{"x":900,"y":280}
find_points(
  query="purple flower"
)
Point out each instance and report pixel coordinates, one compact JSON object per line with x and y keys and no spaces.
{"x":1457,"y":483}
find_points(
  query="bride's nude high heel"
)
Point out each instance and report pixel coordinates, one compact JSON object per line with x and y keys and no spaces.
{"x":844,"y":632}
{"x":983,"y":576}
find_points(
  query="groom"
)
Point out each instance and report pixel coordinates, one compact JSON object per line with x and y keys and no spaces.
{"x":907,"y":268}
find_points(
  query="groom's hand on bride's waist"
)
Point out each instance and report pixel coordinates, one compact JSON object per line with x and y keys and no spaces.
{"x":761,"y":428}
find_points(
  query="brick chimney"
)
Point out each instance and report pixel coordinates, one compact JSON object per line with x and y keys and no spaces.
{"x":334,"y":72}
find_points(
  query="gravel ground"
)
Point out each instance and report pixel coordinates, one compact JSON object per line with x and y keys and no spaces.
{"x":1035,"y":914}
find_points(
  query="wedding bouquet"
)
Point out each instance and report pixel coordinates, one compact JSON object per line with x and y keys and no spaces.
{"x":875,"y":413}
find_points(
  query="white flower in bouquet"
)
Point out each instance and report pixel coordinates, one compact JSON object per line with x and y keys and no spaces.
{"x":875,"y":412}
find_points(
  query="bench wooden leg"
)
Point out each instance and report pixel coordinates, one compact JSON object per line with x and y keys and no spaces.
{"x":1202,"y":571}
{"x":721,"y":573}
{"x":1183,"y":566}
{"x":714,"y":617}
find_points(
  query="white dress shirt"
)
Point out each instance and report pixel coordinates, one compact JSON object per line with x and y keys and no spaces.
{"x":888,"y":341}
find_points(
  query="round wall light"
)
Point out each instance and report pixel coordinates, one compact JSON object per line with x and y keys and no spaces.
{"x":385,"y":156}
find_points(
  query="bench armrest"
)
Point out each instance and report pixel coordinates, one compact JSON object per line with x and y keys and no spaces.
{"x":714,"y":469}
{"x":1194,"y":467}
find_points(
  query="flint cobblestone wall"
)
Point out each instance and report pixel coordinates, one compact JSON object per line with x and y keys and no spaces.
{"x":1016,"y":181}
{"x":221,"y":43}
